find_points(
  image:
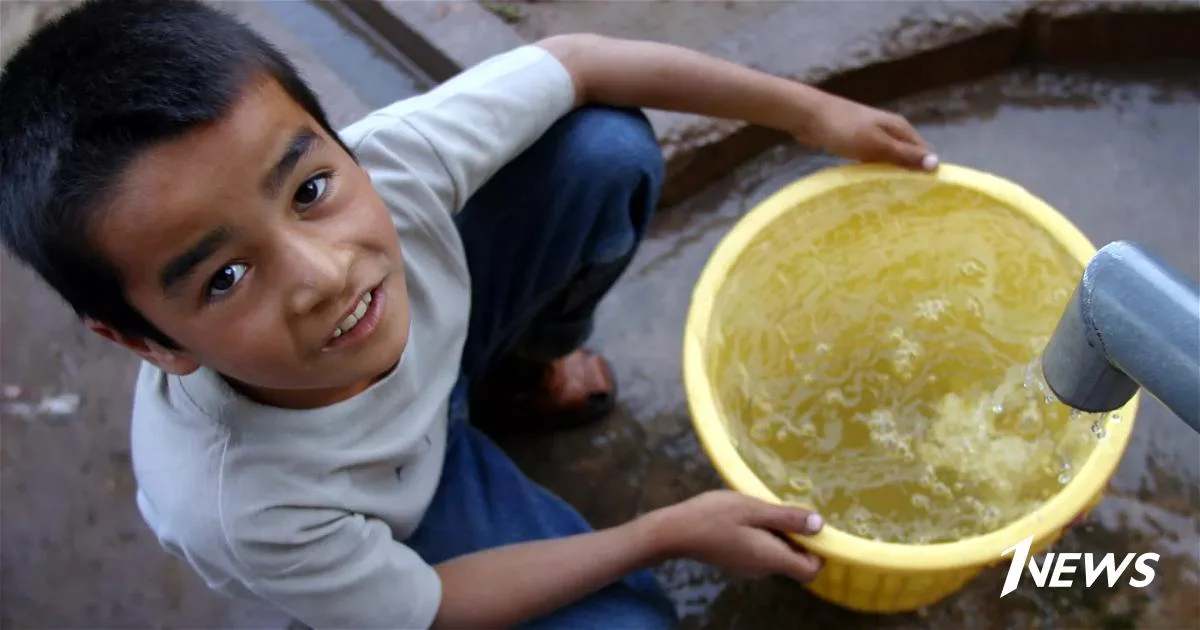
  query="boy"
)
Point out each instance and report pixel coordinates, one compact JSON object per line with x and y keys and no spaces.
{"x":323,"y":316}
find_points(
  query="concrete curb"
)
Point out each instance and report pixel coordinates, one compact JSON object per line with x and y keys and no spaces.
{"x":441,"y":37}
{"x":947,"y":50}
{"x":891,"y":50}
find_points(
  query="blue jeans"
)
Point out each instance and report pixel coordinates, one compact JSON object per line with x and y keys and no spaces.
{"x":545,"y":239}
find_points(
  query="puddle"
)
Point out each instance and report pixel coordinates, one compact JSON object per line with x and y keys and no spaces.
{"x":378,"y":75}
{"x":1117,"y":153}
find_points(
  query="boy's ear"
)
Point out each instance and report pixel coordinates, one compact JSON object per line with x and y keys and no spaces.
{"x":168,"y":361}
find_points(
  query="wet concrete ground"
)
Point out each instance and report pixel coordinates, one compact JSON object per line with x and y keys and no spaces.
{"x":1119,"y":158}
{"x":697,"y":25}
{"x":377,"y":74}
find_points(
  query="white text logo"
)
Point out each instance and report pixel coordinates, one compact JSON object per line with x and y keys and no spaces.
{"x":1059,"y":568}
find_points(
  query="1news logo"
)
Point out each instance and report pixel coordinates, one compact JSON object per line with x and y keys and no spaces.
{"x":1058,"y":569}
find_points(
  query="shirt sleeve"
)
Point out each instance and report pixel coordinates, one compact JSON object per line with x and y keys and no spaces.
{"x":456,"y":136}
{"x":333,"y":569}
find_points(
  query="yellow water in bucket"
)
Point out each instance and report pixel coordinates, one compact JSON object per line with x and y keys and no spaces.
{"x":866,"y":342}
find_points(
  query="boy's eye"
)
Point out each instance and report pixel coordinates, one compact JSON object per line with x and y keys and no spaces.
{"x":225,"y":279}
{"x":311,"y":191}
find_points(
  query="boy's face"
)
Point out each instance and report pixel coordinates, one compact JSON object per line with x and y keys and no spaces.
{"x":255,"y":243}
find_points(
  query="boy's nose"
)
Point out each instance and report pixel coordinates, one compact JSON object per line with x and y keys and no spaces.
{"x":320,"y":272}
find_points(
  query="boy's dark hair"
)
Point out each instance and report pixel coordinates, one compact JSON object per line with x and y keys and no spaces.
{"x":88,"y":93}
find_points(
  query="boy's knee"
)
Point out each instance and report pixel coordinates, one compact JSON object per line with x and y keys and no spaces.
{"x":610,"y":146}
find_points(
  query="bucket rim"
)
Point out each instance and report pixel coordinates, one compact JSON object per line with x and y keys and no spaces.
{"x":1045,"y":523}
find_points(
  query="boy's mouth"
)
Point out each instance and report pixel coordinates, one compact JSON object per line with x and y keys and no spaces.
{"x":360,"y":321}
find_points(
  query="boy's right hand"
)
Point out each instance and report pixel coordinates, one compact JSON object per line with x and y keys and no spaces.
{"x":741,"y":534}
{"x":725,"y":529}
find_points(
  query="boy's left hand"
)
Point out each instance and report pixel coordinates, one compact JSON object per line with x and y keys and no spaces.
{"x":858,"y":132}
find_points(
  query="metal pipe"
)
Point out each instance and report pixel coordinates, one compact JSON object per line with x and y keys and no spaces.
{"x":1132,"y":322}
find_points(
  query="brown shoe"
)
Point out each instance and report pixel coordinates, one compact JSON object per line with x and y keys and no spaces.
{"x":522,"y":396}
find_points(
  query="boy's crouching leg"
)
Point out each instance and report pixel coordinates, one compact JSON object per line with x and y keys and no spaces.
{"x":612,"y":170}
{"x":592,"y":186}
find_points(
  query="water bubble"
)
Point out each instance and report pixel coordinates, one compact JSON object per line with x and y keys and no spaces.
{"x":858,"y":518}
{"x":927,"y":480}
{"x":1115,"y":418}
{"x":940,"y":490}
{"x":782,"y":434}
{"x":972,"y":269}
{"x":808,"y":379}
{"x":1049,"y":399}
{"x":835,"y":395}
{"x":997,"y":408}
{"x":931,"y":309}
{"x":974,"y":308}
{"x":823,"y":348}
{"x":1098,"y":430}
{"x":760,"y":431}
{"x":1064,"y":477}
{"x":800,"y":484}
{"x":1030,"y":422}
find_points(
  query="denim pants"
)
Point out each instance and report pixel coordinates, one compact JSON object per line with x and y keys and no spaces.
{"x":545,"y":239}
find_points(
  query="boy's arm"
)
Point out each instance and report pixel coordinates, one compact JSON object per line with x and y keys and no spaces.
{"x":503,"y":587}
{"x":662,"y":76}
{"x":506,"y":586}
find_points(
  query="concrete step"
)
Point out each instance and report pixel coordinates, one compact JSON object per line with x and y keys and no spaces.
{"x":351,"y":71}
{"x":377,"y":72}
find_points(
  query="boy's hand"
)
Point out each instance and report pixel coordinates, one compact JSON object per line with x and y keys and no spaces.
{"x":741,"y":534}
{"x":858,"y":132}
{"x":722,"y":528}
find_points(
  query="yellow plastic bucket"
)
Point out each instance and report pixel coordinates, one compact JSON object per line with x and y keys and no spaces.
{"x":860,"y":573}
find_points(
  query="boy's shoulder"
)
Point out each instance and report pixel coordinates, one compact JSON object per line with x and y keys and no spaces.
{"x":470,"y":124}
{"x":177,"y":453}
{"x":204,"y":498}
{"x":205,"y":475}
{"x":197,"y":490}
{"x":515,"y":79}
{"x":252,"y":500}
